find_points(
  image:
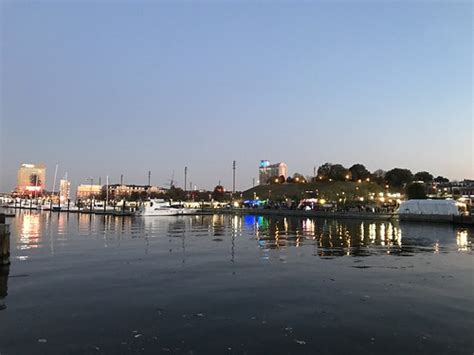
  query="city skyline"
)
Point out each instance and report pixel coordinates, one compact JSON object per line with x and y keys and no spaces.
{"x":265,"y":171}
{"x":203,"y":85}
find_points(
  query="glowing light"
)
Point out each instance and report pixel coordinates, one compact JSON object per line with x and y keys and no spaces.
{"x":33,"y":188}
{"x":462,"y":240}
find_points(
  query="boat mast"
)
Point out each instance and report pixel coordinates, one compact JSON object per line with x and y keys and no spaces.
{"x":107,"y":190}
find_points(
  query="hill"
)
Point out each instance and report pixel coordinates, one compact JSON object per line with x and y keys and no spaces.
{"x":330,"y":191}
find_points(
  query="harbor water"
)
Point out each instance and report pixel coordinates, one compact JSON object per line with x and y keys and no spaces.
{"x":224,"y":284}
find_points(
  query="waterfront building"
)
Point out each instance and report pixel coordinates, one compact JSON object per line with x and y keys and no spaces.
{"x":88,"y":191}
{"x":64,"y":190}
{"x":121,"y":190}
{"x":267,"y":171}
{"x":31,"y":179}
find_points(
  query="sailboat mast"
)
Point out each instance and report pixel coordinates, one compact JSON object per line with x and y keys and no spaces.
{"x":55,"y":176}
{"x":107,"y":189}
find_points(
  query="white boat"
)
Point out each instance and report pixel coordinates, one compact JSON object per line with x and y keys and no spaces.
{"x":157,"y":208}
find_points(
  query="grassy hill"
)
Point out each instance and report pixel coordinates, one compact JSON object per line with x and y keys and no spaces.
{"x":330,"y":191}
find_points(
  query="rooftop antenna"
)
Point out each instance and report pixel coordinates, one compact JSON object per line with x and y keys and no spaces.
{"x":149,"y":177}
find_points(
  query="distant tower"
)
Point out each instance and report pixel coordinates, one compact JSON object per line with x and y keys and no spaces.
{"x":185,"y":177}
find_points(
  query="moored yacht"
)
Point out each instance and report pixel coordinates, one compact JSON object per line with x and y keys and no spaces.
{"x":157,"y":208}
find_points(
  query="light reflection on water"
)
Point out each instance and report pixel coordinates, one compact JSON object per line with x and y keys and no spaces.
{"x":328,"y":237}
{"x":298,"y":283}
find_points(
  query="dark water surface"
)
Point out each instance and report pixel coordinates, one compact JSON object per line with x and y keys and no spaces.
{"x":81,"y":284}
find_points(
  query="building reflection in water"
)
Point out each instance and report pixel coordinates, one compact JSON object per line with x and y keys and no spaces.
{"x":348,"y":237}
{"x":327,"y":237}
{"x":29,"y":227}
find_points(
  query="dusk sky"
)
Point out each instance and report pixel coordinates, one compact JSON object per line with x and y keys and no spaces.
{"x":104,"y":88}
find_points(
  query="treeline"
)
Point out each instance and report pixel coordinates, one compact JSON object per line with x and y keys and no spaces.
{"x":396,"y":177}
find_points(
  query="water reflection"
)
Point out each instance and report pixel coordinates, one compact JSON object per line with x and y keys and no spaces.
{"x":29,"y":236}
{"x":185,"y":234}
{"x":337,"y":238}
{"x":462,"y":240}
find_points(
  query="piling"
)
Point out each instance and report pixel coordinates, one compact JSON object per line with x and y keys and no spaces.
{"x":4,"y":242}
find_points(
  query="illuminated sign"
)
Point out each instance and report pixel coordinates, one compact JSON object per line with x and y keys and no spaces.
{"x":33,"y":188}
{"x":264,"y":163}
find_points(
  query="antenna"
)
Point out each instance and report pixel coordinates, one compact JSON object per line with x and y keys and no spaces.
{"x":149,"y":177}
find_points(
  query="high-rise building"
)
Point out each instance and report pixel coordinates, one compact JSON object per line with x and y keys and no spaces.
{"x":64,"y":190}
{"x":267,"y":171}
{"x":31,"y":179}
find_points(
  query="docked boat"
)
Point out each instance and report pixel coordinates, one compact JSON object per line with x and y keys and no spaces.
{"x":158,"y":208}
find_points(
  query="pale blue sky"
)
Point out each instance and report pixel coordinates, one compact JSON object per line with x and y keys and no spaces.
{"x":104,"y":88}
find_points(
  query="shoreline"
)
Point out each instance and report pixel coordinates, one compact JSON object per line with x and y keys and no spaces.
{"x":435,"y":219}
{"x":444,"y":219}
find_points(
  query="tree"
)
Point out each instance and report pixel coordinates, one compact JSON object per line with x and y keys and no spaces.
{"x":324,"y":171}
{"x":424,"y":176}
{"x":378,"y":176}
{"x":219,"y":193}
{"x":440,"y":179}
{"x":274,"y":180}
{"x":298,"y":178}
{"x":415,"y":190}
{"x":134,"y":196}
{"x":176,"y":193}
{"x":359,"y":172}
{"x":398,"y":177}
{"x":338,"y":172}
